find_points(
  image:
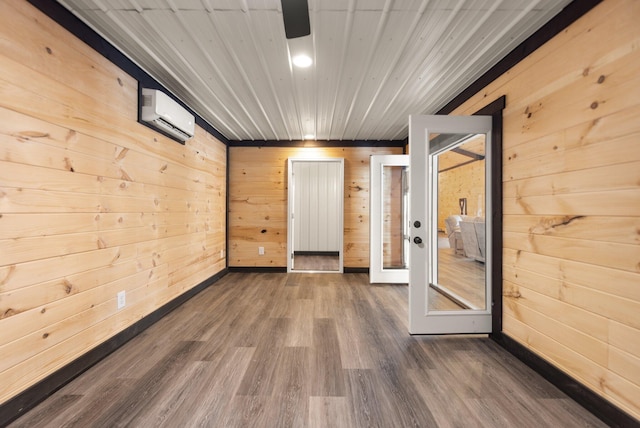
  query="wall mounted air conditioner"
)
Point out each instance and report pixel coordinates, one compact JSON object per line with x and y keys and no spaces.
{"x":160,"y":111}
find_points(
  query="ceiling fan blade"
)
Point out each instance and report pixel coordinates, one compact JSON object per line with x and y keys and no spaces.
{"x":295,"y":14}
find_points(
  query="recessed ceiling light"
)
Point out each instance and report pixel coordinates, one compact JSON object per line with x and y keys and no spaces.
{"x":302,"y":61}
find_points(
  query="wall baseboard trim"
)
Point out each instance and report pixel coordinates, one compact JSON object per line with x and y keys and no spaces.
{"x":271,"y":269}
{"x":258,"y":269}
{"x":317,"y":253}
{"x":356,"y":270}
{"x":17,"y":406}
{"x":594,"y":403}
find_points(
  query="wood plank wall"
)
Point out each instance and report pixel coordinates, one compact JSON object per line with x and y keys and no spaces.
{"x":258,"y":202}
{"x":572,"y":200}
{"x":91,"y":202}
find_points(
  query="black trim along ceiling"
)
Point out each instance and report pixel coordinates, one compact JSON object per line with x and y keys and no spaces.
{"x":318,"y":143}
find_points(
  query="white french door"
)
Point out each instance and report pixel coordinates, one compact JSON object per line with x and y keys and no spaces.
{"x":450,"y":257}
{"x":388,"y":219}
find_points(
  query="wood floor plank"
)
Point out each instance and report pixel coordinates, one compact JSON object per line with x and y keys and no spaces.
{"x":128,"y":407}
{"x":56,"y":406}
{"x":304,"y":350}
{"x":369,"y":406}
{"x":259,"y":377}
{"x":328,"y":412}
{"x":211,"y":394}
{"x":327,"y":378}
{"x":292,"y":388}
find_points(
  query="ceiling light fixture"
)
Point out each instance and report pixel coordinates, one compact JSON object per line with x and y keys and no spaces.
{"x":301,"y":51}
{"x":302,"y":61}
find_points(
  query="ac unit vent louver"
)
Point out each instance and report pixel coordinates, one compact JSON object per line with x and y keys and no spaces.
{"x":163,"y":113}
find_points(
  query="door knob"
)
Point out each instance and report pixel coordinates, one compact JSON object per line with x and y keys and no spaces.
{"x":417,"y":240}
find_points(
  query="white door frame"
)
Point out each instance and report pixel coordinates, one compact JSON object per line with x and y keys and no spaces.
{"x":291,"y":214}
{"x":377,"y":272}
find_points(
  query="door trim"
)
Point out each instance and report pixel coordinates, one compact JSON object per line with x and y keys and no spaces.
{"x":494,"y":109}
{"x":290,"y":205}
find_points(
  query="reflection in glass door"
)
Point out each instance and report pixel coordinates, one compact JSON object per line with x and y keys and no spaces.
{"x":389,"y":225}
{"x":458,"y":189}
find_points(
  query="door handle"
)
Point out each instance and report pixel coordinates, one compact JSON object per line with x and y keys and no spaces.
{"x":417,"y":240}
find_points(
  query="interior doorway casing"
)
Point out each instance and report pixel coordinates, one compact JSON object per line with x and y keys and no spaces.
{"x":331,"y":185}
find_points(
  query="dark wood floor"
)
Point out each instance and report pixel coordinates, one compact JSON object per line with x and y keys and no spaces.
{"x":304,"y":350}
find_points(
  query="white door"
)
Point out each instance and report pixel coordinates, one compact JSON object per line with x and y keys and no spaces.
{"x":315,"y":226}
{"x":388,"y":219}
{"x":450,"y":258}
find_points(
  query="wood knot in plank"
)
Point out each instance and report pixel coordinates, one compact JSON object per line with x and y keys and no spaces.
{"x":9,"y":312}
{"x":70,"y":135}
{"x":33,"y":134}
{"x":122,"y":154}
{"x":9,"y":273}
{"x":515,"y":294}
{"x":48,"y":49}
{"x":45,"y":335}
{"x":68,"y":165}
{"x":549,"y":225}
{"x":124,"y":175}
{"x":601,"y":79}
{"x":116,"y":257}
{"x":594,"y":105}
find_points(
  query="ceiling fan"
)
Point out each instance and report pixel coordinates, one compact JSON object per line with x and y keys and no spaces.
{"x":295,"y":14}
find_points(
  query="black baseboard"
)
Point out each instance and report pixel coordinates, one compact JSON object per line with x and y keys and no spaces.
{"x":258,"y":269}
{"x":34,"y":395}
{"x":270,"y":269}
{"x":317,"y":253}
{"x":596,"y":404}
{"x":356,"y":270}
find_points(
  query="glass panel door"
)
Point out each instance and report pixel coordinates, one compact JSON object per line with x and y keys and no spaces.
{"x":389,"y":210}
{"x":449,"y":288}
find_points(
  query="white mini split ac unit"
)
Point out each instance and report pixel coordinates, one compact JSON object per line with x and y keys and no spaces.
{"x":167,"y":115}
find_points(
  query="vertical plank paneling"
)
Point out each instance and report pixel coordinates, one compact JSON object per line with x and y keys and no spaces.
{"x":91,"y":202}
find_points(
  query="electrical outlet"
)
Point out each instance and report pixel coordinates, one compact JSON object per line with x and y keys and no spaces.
{"x":261,"y":251}
{"x":122,"y":299}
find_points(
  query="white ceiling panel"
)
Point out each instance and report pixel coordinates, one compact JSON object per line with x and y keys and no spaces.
{"x":375,"y":61}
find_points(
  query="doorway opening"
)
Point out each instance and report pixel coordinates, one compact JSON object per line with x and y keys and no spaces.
{"x":315,"y":217}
